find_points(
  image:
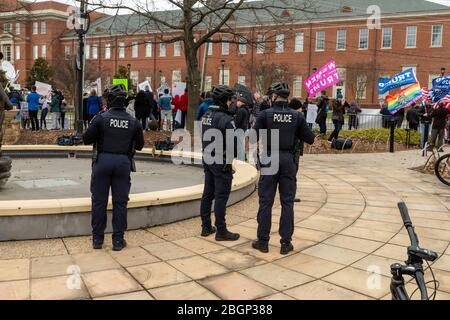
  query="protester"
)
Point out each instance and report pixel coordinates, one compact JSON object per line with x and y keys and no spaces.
{"x":338,"y":117}
{"x":386,"y":115}
{"x":85,"y":110}
{"x":412,"y":116}
{"x":165,"y":105}
{"x":94,"y":105}
{"x":184,"y":105}
{"x":322,"y":112}
{"x":353,"y":111}
{"x":439,"y":122}
{"x":241,"y":121}
{"x":33,"y":108}
{"x":203,"y":106}
{"x":400,"y":117}
{"x":44,"y":101}
{"x":142,"y":108}
{"x":62,"y":109}
{"x":425,"y":112}
{"x":55,"y":111}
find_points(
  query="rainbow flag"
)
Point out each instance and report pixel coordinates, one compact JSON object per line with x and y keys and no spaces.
{"x":404,"y":98}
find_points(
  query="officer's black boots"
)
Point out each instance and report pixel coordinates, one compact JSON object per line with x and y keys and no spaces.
{"x":261,"y":246}
{"x":207,"y":231}
{"x":286,"y":248}
{"x":119,"y":245}
{"x":297,"y":200}
{"x":227,"y":236}
{"x":97,"y":245}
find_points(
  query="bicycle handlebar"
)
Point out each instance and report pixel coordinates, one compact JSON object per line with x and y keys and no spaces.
{"x":420,"y":280}
{"x":408,"y":224}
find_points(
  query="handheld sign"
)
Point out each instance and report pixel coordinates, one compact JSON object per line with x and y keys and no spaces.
{"x":327,"y":76}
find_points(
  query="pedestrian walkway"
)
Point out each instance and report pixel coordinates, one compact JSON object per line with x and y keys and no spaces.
{"x":347,"y":228}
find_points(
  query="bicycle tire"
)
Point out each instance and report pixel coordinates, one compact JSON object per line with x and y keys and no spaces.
{"x":437,"y":167}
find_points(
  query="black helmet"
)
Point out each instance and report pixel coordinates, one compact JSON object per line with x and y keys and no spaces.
{"x":281,"y":89}
{"x":115,"y":94}
{"x":221,"y":91}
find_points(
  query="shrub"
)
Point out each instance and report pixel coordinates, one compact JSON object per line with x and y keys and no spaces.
{"x":381,"y":135}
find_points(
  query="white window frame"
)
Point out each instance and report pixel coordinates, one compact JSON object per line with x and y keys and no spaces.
{"x":135,"y":49}
{"x":363,"y":33}
{"x":176,"y":76}
{"x":35,"y":51}
{"x":35,"y":27}
{"x":148,"y":49}
{"x":341,"y":39}
{"x":94,"y":51}
{"x":7,"y":29}
{"x":17,"y":53}
{"x":241,"y":80}
{"x":121,"y":52}
{"x":363,"y":95}
{"x":320,"y":41}
{"x":299,"y":42}
{"x":441,"y":35}
{"x":225,"y":46}
{"x":44,"y":51}
{"x":134,"y":77}
{"x":210,"y":48}
{"x":67,"y":50}
{"x":242,"y":45}
{"x":177,"y":49}
{"x":162,"y":49}
{"x":297,"y":86}
{"x":87,"y":51}
{"x":43,"y":27}
{"x":18,"y":28}
{"x":408,"y":28}
{"x":226,"y":72}
{"x":261,"y":44}
{"x":8,"y":52}
{"x":383,"y":35}
{"x":108,"y":51}
{"x":279,"y":43}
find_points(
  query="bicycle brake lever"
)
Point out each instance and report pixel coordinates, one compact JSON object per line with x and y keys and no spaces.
{"x":424,"y":254}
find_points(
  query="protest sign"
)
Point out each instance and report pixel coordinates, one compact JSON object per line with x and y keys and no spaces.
{"x":311,"y":115}
{"x":441,"y":88}
{"x":121,"y":81}
{"x":401,"y":79}
{"x":43,"y":88}
{"x":327,"y":76}
{"x":144,"y":85}
{"x":178,"y":88}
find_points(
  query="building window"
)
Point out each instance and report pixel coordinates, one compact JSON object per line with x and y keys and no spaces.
{"x":320,"y":41}
{"x":94,"y":52}
{"x":261,"y":44}
{"x":386,"y":38}
{"x":35,"y":28}
{"x":7,"y":28}
{"x":436,"y":36}
{"x":224,"y":77}
{"x":67,"y":51}
{"x":17,"y":27}
{"x":43,"y":27}
{"x":7,"y":52}
{"x":108,"y":51}
{"x":134,"y":50}
{"x":44,"y":51}
{"x":35,"y":52}
{"x":210,"y":48}
{"x":242,"y":45}
{"x":299,"y":41}
{"x":17,"y":55}
{"x":411,"y":36}
{"x":134,"y":77}
{"x":121,"y":50}
{"x":87,"y":51}
{"x":341,"y":39}
{"x":148,"y":49}
{"x":177,"y":49}
{"x":279,"y":46}
{"x":225,"y":46}
{"x":162,"y":49}
{"x":297,"y":87}
{"x":176,"y":76}
{"x":431,"y":77}
{"x":208,"y":83}
{"x":363,"y":39}
{"x":361,"y":86}
{"x":241,"y":80}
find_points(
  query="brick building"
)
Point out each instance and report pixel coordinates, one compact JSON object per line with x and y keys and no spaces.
{"x":411,"y":34}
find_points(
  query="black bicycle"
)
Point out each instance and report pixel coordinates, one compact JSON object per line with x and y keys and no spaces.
{"x":442,"y":169}
{"x":413,"y":266}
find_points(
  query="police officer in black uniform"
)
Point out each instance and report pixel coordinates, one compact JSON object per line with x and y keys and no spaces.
{"x":115,"y":135}
{"x":292,"y":127}
{"x":218,"y":174}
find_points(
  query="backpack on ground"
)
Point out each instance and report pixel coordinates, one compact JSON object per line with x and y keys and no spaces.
{"x":342,"y":144}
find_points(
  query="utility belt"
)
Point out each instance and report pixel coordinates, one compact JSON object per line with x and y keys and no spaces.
{"x":130,"y":155}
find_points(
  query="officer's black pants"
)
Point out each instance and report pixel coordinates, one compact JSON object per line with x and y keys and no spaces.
{"x":110,"y":171}
{"x":286,"y":181}
{"x":218,"y":188}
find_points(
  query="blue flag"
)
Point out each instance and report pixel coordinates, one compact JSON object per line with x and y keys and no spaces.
{"x":401,"y":79}
{"x":441,"y":87}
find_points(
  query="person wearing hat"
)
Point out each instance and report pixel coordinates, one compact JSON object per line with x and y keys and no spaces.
{"x":338,"y":117}
{"x":241,"y":120}
{"x":115,"y":135}
{"x":217,"y":164}
{"x":291,"y":127}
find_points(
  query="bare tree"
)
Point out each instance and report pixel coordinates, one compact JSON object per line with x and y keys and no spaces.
{"x":267,"y":73}
{"x":358,"y":76}
{"x":195,"y":22}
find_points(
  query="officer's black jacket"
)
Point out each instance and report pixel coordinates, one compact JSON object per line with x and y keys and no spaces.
{"x":242,"y":117}
{"x":218,"y":117}
{"x":291,"y":124}
{"x":115,"y":131}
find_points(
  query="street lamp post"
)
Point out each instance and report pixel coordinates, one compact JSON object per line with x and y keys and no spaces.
{"x":129,"y":75}
{"x":223,"y":71}
{"x":81,"y":29}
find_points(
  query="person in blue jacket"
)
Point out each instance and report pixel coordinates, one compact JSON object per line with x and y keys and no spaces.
{"x":203,"y":107}
{"x":94,"y":105}
{"x":33,"y":108}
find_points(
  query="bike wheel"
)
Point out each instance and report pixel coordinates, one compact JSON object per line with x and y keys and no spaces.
{"x":442,"y":169}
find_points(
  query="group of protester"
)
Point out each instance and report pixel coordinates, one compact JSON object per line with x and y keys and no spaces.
{"x":34,"y":108}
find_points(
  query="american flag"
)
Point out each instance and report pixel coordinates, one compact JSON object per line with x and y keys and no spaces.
{"x":426,"y":94}
{"x":445,"y":100}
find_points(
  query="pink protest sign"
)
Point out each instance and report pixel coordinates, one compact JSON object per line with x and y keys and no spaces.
{"x":327,"y":76}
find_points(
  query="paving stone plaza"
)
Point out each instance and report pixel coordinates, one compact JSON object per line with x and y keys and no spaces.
{"x":348,"y":233}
